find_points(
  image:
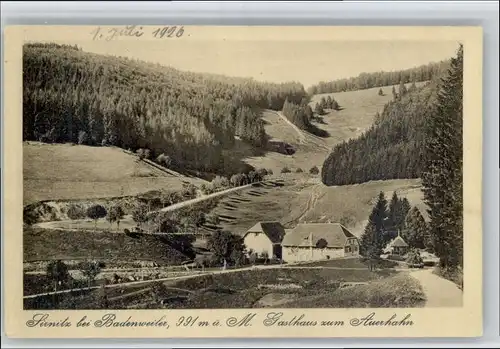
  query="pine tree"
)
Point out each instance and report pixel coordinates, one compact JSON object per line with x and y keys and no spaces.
{"x":374,"y":239}
{"x":394,"y":221}
{"x":329,"y":102}
{"x":402,"y":89}
{"x":416,"y":229}
{"x":442,"y":178}
{"x":318,"y":109}
{"x":413,"y":87}
{"x":405,"y":207}
{"x":323,"y":103}
{"x":398,"y":210}
{"x":394,"y":94}
{"x":308,"y":112}
{"x":335,"y":105}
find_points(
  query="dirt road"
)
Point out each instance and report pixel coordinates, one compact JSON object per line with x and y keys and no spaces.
{"x":198,"y":274}
{"x":302,"y":137}
{"x":438,"y":291}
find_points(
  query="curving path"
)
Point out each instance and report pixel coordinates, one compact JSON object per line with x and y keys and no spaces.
{"x":438,"y":291}
{"x":302,"y":137}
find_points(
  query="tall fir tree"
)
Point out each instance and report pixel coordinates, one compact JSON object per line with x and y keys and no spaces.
{"x":398,"y":210}
{"x":329,"y":102}
{"x":402,"y":89}
{"x":442,"y":178}
{"x":374,"y":235}
{"x":394,"y":219}
{"x":394,"y":93}
{"x":416,"y":229}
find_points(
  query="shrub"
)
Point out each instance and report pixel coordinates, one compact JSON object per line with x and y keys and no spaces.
{"x":239,"y":179}
{"x":414,"y":257}
{"x":158,"y":291}
{"x":90,"y":270}
{"x":335,"y":105}
{"x":205,"y":188}
{"x":57,"y":271}
{"x":95,"y":212}
{"x":76,"y":212}
{"x":262,"y":172}
{"x":285,"y":170}
{"x":115,"y":214}
{"x":254,"y":177}
{"x":270,"y":172}
{"x":83,"y":138}
{"x":314,"y":170}
{"x":219,"y":182}
{"x":299,"y":170}
{"x":225,"y":245}
{"x":161,"y":159}
{"x":139,"y":213}
{"x":140,"y":153}
{"x":189,"y":191}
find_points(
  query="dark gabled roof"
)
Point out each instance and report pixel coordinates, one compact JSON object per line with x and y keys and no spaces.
{"x":307,"y":234}
{"x":273,"y":230}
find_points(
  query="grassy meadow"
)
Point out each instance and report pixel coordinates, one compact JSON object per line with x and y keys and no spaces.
{"x":42,"y":244}
{"x":242,"y":289}
{"x":67,"y":171}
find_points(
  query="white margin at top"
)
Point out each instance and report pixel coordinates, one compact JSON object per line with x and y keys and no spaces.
{"x":484,"y":13}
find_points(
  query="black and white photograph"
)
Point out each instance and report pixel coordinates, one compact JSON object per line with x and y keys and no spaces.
{"x":241,"y":174}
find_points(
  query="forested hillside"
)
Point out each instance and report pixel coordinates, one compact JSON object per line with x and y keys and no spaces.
{"x":85,"y":98}
{"x":379,"y":79}
{"x":392,"y":148}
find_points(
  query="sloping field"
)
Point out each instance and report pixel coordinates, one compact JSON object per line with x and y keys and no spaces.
{"x":65,"y":171}
{"x":309,"y":150}
{"x":358,"y":109}
{"x":351,"y":204}
{"x":304,"y":199}
{"x":40,"y":244}
{"x":267,"y":202}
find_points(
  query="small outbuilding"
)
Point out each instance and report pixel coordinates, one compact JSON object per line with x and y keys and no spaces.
{"x":397,"y":246}
{"x":265,"y":238}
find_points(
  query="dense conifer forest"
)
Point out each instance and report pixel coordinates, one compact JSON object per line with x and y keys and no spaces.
{"x":74,"y":96}
{"x":378,"y":79}
{"x":392,"y":148}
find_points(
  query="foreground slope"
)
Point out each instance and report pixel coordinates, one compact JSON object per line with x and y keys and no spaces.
{"x":65,"y":171}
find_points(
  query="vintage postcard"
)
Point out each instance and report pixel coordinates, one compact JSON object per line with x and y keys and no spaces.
{"x":243,"y":181}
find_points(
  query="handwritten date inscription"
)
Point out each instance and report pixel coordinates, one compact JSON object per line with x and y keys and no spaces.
{"x":108,"y":34}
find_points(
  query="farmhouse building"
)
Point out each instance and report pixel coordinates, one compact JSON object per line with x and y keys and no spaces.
{"x":317,"y":241}
{"x":397,"y":246}
{"x":265,"y":238}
